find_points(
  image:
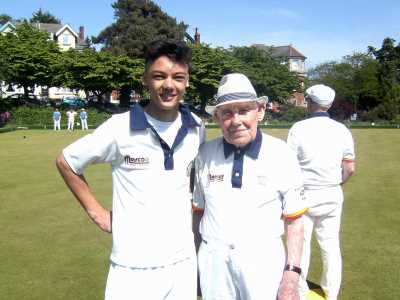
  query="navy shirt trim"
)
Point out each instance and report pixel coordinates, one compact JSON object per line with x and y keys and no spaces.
{"x":138,"y":121}
{"x":252,"y":150}
{"x":320,"y":114}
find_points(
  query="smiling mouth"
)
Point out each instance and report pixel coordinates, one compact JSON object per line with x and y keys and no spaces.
{"x":167,"y":96}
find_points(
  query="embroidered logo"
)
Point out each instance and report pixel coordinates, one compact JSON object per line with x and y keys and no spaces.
{"x":137,"y":161}
{"x":215,"y":178}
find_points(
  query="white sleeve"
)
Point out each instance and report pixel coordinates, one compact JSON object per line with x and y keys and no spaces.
{"x":291,"y":186}
{"x":292,"y":140}
{"x":98,"y":147}
{"x":348,"y":149}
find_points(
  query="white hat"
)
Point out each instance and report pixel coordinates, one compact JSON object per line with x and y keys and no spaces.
{"x":235,"y":87}
{"x":320,"y":94}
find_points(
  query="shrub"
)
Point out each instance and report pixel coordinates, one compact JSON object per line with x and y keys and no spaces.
{"x":290,"y":113}
{"x":43,"y":117}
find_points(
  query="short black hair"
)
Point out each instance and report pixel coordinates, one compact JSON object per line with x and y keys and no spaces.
{"x":175,"y":50}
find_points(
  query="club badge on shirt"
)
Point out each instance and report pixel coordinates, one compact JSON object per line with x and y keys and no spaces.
{"x":215,"y":178}
{"x":137,"y":162}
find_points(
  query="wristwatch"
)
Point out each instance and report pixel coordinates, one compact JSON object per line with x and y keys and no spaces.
{"x":293,"y":268}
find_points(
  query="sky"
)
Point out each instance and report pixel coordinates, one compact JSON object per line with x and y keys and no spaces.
{"x":321,"y":30}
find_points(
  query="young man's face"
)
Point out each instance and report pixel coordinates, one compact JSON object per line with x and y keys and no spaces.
{"x":167,"y":82}
{"x":238,"y":122}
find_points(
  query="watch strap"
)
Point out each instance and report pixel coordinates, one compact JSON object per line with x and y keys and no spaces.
{"x":293,"y":268}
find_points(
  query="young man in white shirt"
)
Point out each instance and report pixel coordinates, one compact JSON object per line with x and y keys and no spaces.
{"x":325,"y":150}
{"x":150,"y":149}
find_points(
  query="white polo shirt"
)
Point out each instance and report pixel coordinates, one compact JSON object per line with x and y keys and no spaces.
{"x":271,"y":189}
{"x":151,"y":196}
{"x":321,"y":145}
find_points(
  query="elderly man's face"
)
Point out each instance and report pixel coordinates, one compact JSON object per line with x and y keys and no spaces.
{"x":238,"y":122}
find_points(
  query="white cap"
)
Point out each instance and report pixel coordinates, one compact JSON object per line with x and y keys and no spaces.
{"x":320,"y":94}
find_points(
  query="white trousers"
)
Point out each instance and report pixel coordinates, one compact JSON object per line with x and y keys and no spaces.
{"x":171,"y":282}
{"x":57,"y":124}
{"x":70,"y":124}
{"x":323,"y":218}
{"x":84,"y":124}
{"x":234,"y":273}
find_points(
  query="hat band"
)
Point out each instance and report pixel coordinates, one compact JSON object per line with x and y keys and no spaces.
{"x":235,"y":96}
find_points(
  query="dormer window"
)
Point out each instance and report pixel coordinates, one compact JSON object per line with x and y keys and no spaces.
{"x":66,"y":40}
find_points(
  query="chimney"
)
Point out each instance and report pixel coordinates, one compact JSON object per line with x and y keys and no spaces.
{"x":81,"y":33}
{"x":196,"y":37}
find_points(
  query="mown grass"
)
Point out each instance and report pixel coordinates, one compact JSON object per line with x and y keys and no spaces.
{"x":50,"y":250}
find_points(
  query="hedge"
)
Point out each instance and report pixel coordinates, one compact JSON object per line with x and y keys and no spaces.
{"x":43,"y":117}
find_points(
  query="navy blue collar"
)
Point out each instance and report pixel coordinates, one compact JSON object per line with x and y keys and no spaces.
{"x":138,"y":119}
{"x":252,"y":149}
{"x":320,"y":114}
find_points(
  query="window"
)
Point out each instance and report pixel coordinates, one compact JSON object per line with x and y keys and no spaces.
{"x":297,"y":65}
{"x":66,"y":39}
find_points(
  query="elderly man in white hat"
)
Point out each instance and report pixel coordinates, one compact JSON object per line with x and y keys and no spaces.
{"x":325,"y":151}
{"x":249,"y":184}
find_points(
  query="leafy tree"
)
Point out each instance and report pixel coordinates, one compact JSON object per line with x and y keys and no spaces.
{"x":44,"y":17}
{"x":208,"y":67}
{"x":388,"y":57}
{"x":26,"y":57}
{"x":137,"y":23}
{"x":4,"y":18}
{"x":355,"y":80}
{"x":269,"y":76}
{"x":98,"y":72}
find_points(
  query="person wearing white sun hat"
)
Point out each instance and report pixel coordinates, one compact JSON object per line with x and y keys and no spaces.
{"x":325,"y":150}
{"x":249,"y":185}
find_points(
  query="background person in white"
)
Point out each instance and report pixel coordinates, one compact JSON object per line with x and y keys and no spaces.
{"x":150,"y":149}
{"x":325,"y":151}
{"x":249,"y":184}
{"x":83,"y":117}
{"x":71,"y":119}
{"x":57,"y":119}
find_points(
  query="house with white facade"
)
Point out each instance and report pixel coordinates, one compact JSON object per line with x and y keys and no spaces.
{"x":66,"y":38}
{"x":296,"y":63}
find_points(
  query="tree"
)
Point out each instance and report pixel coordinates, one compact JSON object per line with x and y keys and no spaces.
{"x":355,"y":80}
{"x":269,"y":76}
{"x":98,"y":72}
{"x":26,"y":57}
{"x":44,"y":17}
{"x":137,"y":23}
{"x":388,"y":57}
{"x":208,"y":67}
{"x":4,"y":18}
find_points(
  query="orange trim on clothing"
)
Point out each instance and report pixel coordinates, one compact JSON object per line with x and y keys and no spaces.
{"x":196,"y":209}
{"x":348,"y":159}
{"x":296,"y":214}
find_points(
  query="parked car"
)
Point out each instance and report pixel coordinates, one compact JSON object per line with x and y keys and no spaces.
{"x":72,"y":101}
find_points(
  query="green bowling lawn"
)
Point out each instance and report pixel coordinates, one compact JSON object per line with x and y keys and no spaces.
{"x":50,"y":250}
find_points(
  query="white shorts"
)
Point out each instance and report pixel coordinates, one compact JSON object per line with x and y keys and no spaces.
{"x":251,"y":272}
{"x":171,"y":282}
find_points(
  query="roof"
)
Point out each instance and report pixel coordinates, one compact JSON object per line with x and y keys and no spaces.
{"x":5,"y":25}
{"x":55,"y":30}
{"x":49,"y":27}
{"x":282,"y":51}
